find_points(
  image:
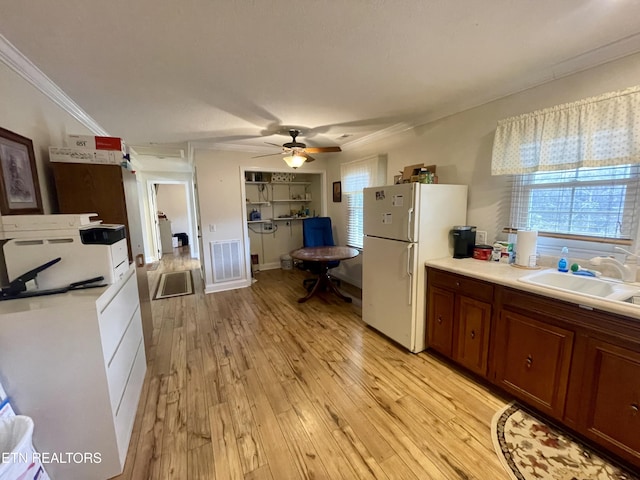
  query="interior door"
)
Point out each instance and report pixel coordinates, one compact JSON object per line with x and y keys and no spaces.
{"x":388,"y":296}
{"x":198,"y":222}
{"x":153,"y":201}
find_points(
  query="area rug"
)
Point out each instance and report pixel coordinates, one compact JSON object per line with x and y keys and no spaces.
{"x":532,"y":449}
{"x":174,"y":284}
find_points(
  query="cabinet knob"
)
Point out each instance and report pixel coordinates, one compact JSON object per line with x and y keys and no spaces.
{"x":457,"y":284}
{"x":439,"y":318}
{"x":634,"y":409}
{"x":529,"y":361}
{"x":473,"y":334}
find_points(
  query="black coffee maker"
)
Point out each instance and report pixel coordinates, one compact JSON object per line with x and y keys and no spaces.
{"x":464,"y":240}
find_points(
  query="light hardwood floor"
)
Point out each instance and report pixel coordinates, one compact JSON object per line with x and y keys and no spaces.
{"x":249,"y":384}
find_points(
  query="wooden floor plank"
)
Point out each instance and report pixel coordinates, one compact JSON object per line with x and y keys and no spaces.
{"x":226,"y":457}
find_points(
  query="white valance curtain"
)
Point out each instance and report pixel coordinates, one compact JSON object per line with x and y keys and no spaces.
{"x":595,"y":132}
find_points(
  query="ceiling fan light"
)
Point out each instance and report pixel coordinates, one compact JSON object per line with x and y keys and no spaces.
{"x":294,"y":161}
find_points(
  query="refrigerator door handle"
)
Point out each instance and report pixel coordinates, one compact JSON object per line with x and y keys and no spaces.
{"x":409,"y":222}
{"x":410,"y":271}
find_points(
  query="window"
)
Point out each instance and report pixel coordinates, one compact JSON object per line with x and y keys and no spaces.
{"x":583,"y":202}
{"x":576,"y":168}
{"x":355,"y":177}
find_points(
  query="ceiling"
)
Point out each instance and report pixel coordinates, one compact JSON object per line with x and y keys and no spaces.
{"x":237,"y":73}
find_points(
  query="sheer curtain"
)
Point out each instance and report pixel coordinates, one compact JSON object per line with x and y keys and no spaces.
{"x":596,"y":132}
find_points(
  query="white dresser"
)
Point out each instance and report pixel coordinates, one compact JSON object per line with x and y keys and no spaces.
{"x":75,"y":363}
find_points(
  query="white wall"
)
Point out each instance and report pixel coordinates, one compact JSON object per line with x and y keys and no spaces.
{"x":460,"y":145}
{"x":222,"y":206}
{"x":27,"y":112}
{"x":172,"y":200}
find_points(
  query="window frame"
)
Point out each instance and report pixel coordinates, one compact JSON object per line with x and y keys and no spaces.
{"x":352,"y":192}
{"x":524,"y":185}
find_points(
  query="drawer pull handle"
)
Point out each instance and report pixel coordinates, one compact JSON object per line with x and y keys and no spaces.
{"x":634,"y":409}
{"x":473,"y":334}
{"x":439,"y":318}
{"x":529,"y":361}
{"x":457,"y":284}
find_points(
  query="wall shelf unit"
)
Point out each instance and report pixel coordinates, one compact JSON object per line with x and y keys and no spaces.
{"x":281,"y":206}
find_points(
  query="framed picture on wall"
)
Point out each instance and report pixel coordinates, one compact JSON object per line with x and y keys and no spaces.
{"x":19,"y":188}
{"x":337,"y":191}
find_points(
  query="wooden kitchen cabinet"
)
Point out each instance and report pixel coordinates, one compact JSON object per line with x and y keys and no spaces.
{"x":459,"y":318}
{"x":611,"y":388}
{"x":473,"y":329}
{"x":533,"y":360}
{"x":576,"y":364}
{"x":440,"y":324}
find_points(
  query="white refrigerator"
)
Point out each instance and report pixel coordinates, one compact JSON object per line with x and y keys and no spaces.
{"x":405,"y":225}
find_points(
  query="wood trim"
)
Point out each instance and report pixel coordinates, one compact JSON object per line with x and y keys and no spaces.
{"x":569,"y":236}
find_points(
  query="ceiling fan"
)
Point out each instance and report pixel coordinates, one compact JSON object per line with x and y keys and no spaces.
{"x":298,"y":152}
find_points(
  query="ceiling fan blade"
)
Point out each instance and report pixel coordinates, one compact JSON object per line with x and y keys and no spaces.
{"x":322,"y":149}
{"x":309,"y":158}
{"x":274,"y":144}
{"x":267,"y":155}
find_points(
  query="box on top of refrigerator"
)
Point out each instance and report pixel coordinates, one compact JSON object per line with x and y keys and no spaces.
{"x":96,"y":143}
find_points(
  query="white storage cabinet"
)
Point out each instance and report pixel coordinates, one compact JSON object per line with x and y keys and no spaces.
{"x":75,"y":363}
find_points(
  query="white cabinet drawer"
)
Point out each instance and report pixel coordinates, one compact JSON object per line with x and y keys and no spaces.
{"x":115,"y":316}
{"x":126,"y":412}
{"x":120,"y":366}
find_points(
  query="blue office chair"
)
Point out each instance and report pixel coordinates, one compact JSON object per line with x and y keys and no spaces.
{"x":317,"y":232}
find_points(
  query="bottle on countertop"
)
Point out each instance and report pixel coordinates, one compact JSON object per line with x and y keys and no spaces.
{"x":563,"y":263}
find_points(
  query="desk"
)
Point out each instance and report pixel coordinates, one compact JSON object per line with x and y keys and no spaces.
{"x":324,"y":255}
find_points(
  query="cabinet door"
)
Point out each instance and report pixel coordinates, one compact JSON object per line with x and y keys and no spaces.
{"x":612,"y":393}
{"x":440,"y":320}
{"x":535,"y":360}
{"x":472,"y":335}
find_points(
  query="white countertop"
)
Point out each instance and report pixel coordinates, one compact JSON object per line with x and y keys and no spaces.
{"x":508,"y":275}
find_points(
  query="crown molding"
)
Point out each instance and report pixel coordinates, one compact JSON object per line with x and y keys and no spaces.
{"x":20,"y":64}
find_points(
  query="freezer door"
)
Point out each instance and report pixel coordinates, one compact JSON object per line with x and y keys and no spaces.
{"x":388,"y":289}
{"x":389,"y":212}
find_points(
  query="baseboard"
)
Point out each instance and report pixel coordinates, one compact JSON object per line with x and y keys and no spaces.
{"x":222,"y":287}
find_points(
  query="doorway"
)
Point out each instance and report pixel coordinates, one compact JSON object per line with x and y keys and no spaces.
{"x":171,"y":218}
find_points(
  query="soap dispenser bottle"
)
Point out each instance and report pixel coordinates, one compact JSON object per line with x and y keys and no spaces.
{"x":563,"y":263}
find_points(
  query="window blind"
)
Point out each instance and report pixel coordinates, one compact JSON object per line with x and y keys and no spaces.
{"x":355,"y":177}
{"x":597,"y":203}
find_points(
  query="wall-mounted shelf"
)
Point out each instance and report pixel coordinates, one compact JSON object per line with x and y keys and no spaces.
{"x":290,"y":201}
{"x":286,"y":183}
{"x":258,"y":203}
{"x":266,"y":220}
{"x":257,"y":183}
{"x":287,"y":219}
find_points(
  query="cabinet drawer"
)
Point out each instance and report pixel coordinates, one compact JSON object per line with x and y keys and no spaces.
{"x":460,"y":284}
{"x":126,"y":411}
{"x":535,"y":361}
{"x":612,"y":378}
{"x":115,"y":316}
{"x":120,"y":366}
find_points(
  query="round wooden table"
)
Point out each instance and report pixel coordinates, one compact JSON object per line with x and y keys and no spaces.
{"x":324,"y":255}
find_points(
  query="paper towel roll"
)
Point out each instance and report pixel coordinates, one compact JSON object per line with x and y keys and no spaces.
{"x":526,"y":246}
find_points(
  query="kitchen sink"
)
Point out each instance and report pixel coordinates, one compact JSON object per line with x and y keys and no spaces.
{"x":596,"y":287}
